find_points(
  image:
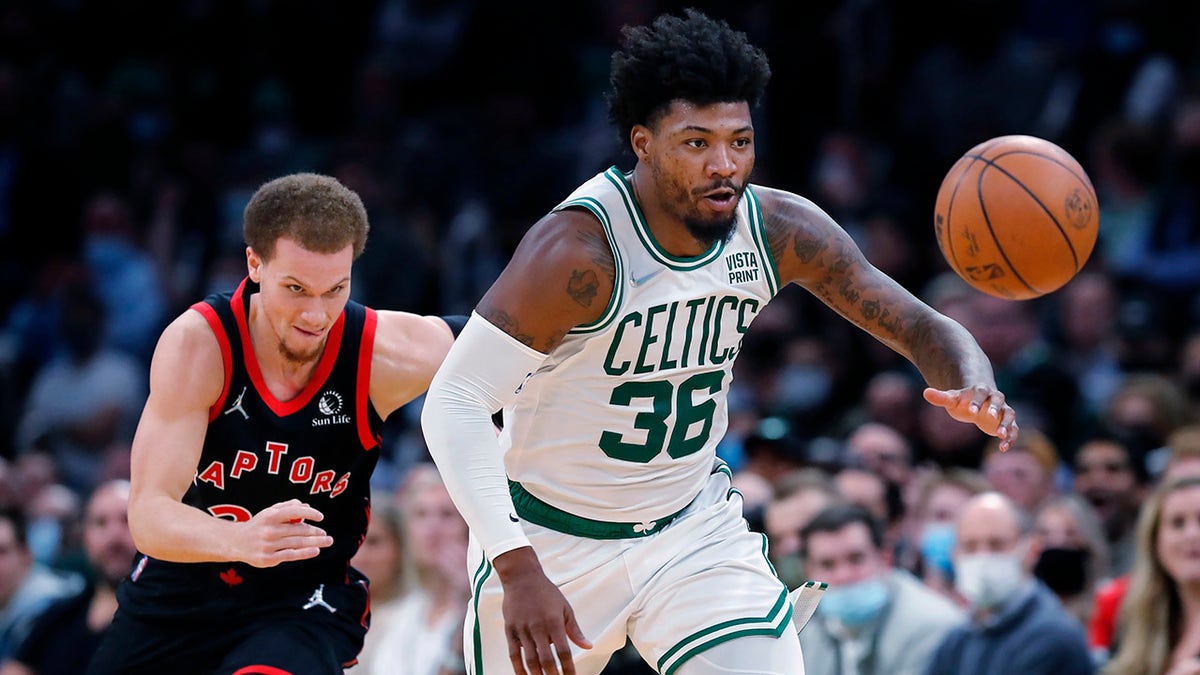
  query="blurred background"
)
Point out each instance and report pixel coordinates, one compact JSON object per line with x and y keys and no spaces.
{"x":132,"y":134}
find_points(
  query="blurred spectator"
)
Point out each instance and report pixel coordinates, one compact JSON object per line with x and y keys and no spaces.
{"x":382,"y":559}
{"x":874,"y":493}
{"x":1026,"y":472}
{"x":1102,"y":628}
{"x":771,"y":451}
{"x":1016,"y":624}
{"x":1028,"y":371}
{"x":883,"y":449}
{"x":799,"y":496}
{"x":86,"y":398}
{"x":1073,"y":558}
{"x":873,"y":619}
{"x":1148,"y":405}
{"x":51,"y":517}
{"x":1183,"y":448}
{"x":928,"y":547}
{"x":79,"y":620}
{"x":26,"y":587}
{"x":125,"y":275}
{"x":1090,"y":345}
{"x":1157,"y":625}
{"x":1188,"y":372}
{"x":425,"y":635}
{"x":1110,"y":473}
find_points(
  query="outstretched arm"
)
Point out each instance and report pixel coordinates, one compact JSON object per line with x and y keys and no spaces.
{"x":186,"y":378}
{"x":816,"y":253}
{"x":560,"y":276}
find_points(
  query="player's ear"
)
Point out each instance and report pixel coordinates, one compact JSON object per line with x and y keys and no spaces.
{"x":639,"y":140}
{"x":254,"y":265}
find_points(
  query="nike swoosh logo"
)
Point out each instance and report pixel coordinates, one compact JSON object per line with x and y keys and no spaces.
{"x":638,"y":281}
{"x":513,"y":517}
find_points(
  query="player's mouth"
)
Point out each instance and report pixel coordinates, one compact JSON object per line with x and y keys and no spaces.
{"x":721,"y":200}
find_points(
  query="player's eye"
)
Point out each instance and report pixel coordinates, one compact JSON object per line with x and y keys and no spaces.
{"x":295,"y":288}
{"x":742,"y":143}
{"x":697,"y":143}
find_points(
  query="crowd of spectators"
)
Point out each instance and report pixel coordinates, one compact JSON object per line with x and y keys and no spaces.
{"x":132,"y":134}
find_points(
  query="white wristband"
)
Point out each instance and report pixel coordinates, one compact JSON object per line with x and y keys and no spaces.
{"x":480,"y":375}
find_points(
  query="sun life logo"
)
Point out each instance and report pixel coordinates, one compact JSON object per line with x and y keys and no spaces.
{"x":330,"y":405}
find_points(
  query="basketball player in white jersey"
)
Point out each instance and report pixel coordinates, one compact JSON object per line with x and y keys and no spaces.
{"x":601,"y":511}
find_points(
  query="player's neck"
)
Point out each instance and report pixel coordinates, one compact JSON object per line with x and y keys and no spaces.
{"x":668,"y":230}
{"x":284,"y":377}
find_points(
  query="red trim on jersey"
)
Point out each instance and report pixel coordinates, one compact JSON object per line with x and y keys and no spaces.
{"x":362,"y":392}
{"x":214,"y":322}
{"x":261,"y":670}
{"x":324,"y":367}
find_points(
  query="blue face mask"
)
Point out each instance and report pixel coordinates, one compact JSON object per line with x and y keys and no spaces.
{"x":937,"y":547}
{"x":43,"y":537}
{"x":855,"y":604}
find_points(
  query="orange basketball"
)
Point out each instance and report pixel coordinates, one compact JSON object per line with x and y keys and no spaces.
{"x":1016,"y":217}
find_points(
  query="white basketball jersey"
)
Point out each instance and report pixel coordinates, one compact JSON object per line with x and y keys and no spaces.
{"x":622,"y":420}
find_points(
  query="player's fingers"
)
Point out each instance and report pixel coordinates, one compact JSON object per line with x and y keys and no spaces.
{"x":297,"y":511}
{"x":317,"y":541}
{"x":529,"y":649}
{"x":545,"y":656}
{"x":575,"y":633}
{"x":940,"y":397}
{"x":514,"y":653}
{"x":978,"y":396}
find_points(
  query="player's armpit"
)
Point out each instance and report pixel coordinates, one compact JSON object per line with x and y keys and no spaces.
{"x":560,"y":276}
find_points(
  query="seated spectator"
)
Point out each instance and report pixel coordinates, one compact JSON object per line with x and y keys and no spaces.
{"x":1183,"y":451}
{"x":1026,"y":472}
{"x":884,"y":450}
{"x":382,"y":559}
{"x":874,"y":619}
{"x":799,"y":496}
{"x":1074,"y":553}
{"x":84,"y":399}
{"x":26,"y":587}
{"x":1110,"y":473}
{"x":928,"y":545}
{"x":873,"y":492}
{"x":1158,"y":628}
{"x":1016,"y":624}
{"x":80,"y":619}
{"x":426,"y":632}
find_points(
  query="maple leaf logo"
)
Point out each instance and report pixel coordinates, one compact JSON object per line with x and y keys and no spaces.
{"x":231,"y":577}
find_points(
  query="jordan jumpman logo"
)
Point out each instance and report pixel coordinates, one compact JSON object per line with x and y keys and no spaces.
{"x":237,"y":405}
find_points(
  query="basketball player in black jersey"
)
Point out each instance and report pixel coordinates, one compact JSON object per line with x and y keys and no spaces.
{"x":252,"y":459}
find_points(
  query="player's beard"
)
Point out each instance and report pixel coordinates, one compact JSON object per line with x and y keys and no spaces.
{"x":711,"y":231}
{"x":300,"y":358}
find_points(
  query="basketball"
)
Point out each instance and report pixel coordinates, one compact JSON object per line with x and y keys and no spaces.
{"x":1016,"y":217}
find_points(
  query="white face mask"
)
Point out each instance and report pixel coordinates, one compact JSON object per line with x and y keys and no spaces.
{"x":987,"y":580}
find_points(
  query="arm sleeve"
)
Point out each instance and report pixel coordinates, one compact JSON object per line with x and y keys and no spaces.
{"x":480,"y":375}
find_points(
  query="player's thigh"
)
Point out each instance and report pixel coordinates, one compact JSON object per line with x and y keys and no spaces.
{"x":304,"y":645}
{"x":132,"y":646}
{"x":592,"y":576}
{"x":716,"y":586}
{"x":755,"y":655}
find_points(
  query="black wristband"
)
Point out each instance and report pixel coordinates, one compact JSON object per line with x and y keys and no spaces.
{"x":456,"y":322}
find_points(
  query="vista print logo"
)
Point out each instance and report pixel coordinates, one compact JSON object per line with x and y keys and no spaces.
{"x":330,"y":404}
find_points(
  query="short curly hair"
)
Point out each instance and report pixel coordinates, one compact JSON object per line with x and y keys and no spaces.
{"x":691,"y":58}
{"x":317,"y":211}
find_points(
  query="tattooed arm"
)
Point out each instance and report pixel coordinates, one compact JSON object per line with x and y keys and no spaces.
{"x":560,"y":276}
{"x":813,"y":251}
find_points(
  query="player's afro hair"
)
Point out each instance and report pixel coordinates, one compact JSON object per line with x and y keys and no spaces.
{"x":692,"y":58}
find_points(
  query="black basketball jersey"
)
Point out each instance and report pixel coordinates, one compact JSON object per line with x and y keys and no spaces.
{"x":320,"y":447}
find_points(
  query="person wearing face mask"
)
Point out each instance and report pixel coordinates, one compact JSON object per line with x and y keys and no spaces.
{"x":1074,"y":553}
{"x":1015,"y":624}
{"x":874,"y":619}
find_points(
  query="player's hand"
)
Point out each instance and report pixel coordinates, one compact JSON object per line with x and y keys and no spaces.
{"x":281,"y":533}
{"x":538,"y":620}
{"x":984,"y":407}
